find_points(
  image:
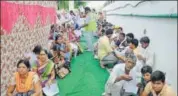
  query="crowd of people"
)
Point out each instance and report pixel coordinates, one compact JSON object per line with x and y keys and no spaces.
{"x":132,"y":60}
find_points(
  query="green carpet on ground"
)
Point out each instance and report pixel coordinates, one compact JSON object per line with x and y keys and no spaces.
{"x":86,"y":79}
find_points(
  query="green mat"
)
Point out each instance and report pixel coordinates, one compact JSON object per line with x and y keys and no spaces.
{"x":86,"y":79}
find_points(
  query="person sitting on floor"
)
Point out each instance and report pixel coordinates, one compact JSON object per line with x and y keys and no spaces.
{"x":104,"y":48}
{"x":65,"y":49}
{"x":121,"y":42}
{"x":145,"y":55}
{"x":77,"y":32}
{"x":45,"y":69}
{"x":72,"y":36}
{"x":61,"y":69}
{"x":157,"y":86}
{"x":122,"y":78}
{"x":74,"y":48}
{"x":146,"y":77}
{"x":121,"y":53}
{"x":33,"y":56}
{"x":64,"y":46}
{"x":26,"y":82}
{"x":129,"y":37}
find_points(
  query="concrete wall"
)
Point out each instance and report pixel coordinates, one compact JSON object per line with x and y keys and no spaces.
{"x":162,"y":31}
{"x":21,"y":40}
{"x":147,"y":7}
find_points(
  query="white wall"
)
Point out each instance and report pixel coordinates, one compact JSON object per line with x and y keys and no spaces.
{"x":162,"y":32}
{"x":148,"y":7}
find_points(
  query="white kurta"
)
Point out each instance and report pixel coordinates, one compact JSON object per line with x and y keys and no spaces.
{"x":146,"y":53}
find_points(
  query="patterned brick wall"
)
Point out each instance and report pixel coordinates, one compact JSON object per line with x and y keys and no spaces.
{"x":21,"y":40}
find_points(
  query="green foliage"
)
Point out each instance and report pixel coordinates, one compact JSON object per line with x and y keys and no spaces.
{"x":78,"y":3}
{"x":63,"y":4}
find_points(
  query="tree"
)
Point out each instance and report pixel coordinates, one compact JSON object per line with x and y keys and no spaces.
{"x":63,"y":4}
{"x":78,"y":3}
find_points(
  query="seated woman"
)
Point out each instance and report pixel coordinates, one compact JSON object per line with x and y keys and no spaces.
{"x":74,"y":48}
{"x":72,"y":36}
{"x":45,"y":68}
{"x":77,"y":32}
{"x":60,"y":64}
{"x":25,"y":82}
{"x":64,"y":46}
{"x":66,"y":50}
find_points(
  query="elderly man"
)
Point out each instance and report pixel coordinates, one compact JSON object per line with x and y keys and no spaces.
{"x":122,"y":80}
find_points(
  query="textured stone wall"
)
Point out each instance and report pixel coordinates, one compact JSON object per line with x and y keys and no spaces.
{"x":21,"y":40}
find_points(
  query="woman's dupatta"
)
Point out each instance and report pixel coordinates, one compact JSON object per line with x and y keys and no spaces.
{"x":28,"y":83}
{"x":48,"y":69}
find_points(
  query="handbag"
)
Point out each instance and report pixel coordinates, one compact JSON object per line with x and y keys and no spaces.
{"x":63,"y":72}
{"x":60,"y":70}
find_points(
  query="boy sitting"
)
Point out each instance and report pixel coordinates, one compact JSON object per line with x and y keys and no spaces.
{"x":158,"y":86}
{"x":146,"y":77}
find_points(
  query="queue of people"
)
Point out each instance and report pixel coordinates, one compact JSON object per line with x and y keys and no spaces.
{"x":132,"y":63}
{"x":132,"y":60}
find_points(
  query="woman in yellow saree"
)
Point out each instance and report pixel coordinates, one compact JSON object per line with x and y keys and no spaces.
{"x":25,"y":82}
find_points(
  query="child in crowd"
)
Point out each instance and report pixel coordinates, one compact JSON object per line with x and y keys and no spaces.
{"x":146,"y":77}
{"x":157,"y":86}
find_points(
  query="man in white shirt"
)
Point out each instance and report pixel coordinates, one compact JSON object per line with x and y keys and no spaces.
{"x":122,"y":80}
{"x":144,"y":54}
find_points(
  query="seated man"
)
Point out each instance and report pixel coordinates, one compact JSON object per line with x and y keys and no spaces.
{"x":122,"y":80}
{"x":144,"y":54}
{"x":157,"y":86}
{"x":121,"y":53}
{"x":146,"y":77}
{"x":104,"y":49}
{"x":121,"y":42}
{"x":129,"y":37}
